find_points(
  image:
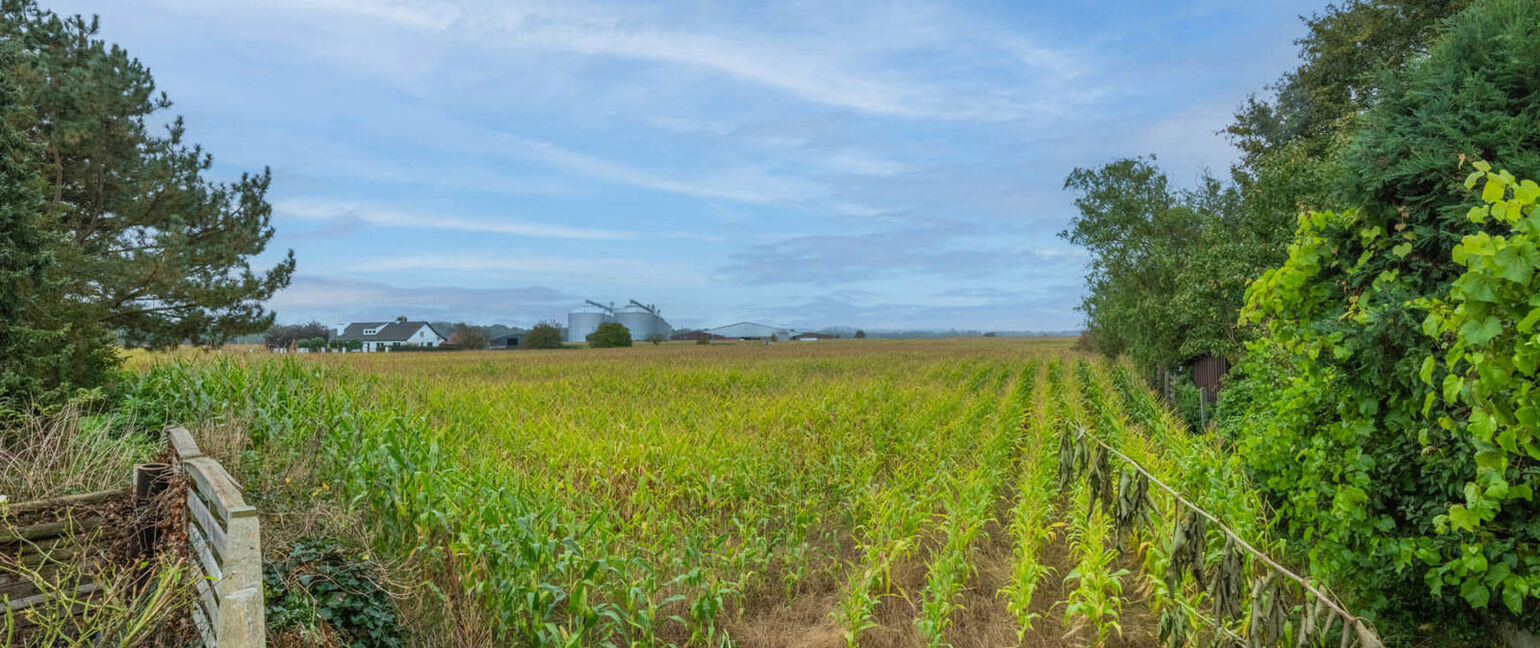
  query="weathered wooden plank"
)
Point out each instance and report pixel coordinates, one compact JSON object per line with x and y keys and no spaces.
{"x":241,"y":563}
{"x":182,"y":443}
{"x":205,"y":629}
{"x":51,"y":530}
{"x":241,"y":624}
{"x":208,"y":600}
{"x":15,"y":586}
{"x":218,"y":470}
{"x":214,"y":484}
{"x":57,"y":550}
{"x":199,"y":547}
{"x":18,"y":605}
{"x":68,"y":501}
{"x":211,"y":528}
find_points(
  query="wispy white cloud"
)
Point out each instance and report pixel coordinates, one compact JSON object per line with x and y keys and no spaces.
{"x":531,"y":267}
{"x":322,"y":209}
{"x":837,"y":58}
{"x":333,"y":299}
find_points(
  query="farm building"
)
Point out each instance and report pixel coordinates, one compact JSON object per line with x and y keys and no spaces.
{"x":811,"y":337}
{"x":509,"y":341}
{"x":1208,"y":373}
{"x":694,"y":335}
{"x":751,"y":331}
{"x":642,"y":320}
{"x":384,"y":336}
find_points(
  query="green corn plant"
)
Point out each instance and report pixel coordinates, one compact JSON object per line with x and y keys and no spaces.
{"x":1096,"y":599}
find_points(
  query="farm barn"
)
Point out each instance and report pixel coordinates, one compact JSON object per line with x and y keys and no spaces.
{"x":751,"y":331}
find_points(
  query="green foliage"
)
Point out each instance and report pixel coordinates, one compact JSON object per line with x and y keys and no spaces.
{"x":1314,"y":103}
{"x":1488,"y":368}
{"x":1168,"y":266}
{"x":145,"y":245}
{"x":319,"y":587}
{"x":1403,"y":478}
{"x":545,"y":335}
{"x":860,"y":335}
{"x":465,"y":336}
{"x":1189,"y":403}
{"x":44,"y":357}
{"x":610,"y":335}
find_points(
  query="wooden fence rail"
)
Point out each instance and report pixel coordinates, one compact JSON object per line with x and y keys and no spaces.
{"x":225,"y":541}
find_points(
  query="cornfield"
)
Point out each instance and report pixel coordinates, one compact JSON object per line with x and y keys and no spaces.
{"x":917,"y":493}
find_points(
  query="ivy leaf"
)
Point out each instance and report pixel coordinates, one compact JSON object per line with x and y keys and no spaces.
{"x":1511,"y":265}
{"x":1477,"y":287}
{"x":1426,"y":373}
{"x":1493,"y":191}
{"x":1528,"y":323}
{"x":1513,"y":596}
{"x":1462,"y":519}
{"x":1452,"y":386}
{"x":1478,"y":332}
{"x":1470,"y":180}
{"x":1481,"y":166}
{"x":1401,"y":250}
{"x":1482,"y":425}
{"x":1475,"y":593}
{"x":1527,"y":192}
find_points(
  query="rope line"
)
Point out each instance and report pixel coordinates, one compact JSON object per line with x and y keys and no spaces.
{"x":1366,"y":635}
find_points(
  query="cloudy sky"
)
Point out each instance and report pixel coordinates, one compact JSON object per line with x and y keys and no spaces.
{"x":891,"y":165}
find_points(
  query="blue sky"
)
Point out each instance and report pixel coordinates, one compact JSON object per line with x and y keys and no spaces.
{"x":806,"y":164}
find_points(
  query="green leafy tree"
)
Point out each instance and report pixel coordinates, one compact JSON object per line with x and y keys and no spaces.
{"x":149,"y":247}
{"x":1410,"y":482}
{"x":1312,"y":104}
{"x":466,"y":336}
{"x":610,"y":335}
{"x":1168,"y":266}
{"x":282,"y":336}
{"x":860,"y":335}
{"x":545,"y":335}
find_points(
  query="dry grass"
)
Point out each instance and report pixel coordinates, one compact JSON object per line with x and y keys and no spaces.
{"x":66,"y":453}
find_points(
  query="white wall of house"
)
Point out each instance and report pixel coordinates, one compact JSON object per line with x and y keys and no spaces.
{"x":426,"y":337}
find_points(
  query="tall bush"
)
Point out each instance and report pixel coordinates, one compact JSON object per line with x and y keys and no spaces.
{"x":1364,"y":458}
{"x":545,"y":335}
{"x":610,"y":335}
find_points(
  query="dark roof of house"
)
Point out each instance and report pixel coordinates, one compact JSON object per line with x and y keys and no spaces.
{"x":389,"y":331}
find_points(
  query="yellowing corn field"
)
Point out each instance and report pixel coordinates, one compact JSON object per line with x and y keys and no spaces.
{"x":860,"y":492}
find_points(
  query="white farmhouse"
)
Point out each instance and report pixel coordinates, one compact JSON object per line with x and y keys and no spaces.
{"x":384,"y":336}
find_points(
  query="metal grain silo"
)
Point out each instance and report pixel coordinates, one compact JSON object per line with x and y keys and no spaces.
{"x":586,"y":319}
{"x":640,"y":321}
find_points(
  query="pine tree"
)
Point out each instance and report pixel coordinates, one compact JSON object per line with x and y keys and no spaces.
{"x":155,"y":251}
{"x":42,"y":356}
